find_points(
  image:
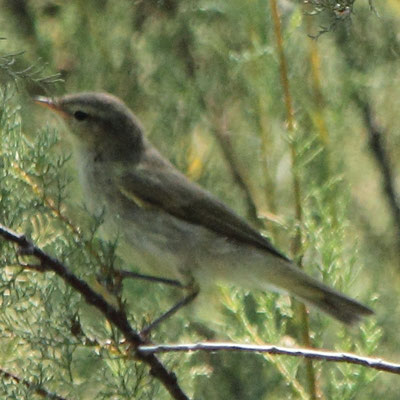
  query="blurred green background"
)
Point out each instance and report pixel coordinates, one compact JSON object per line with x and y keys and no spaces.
{"x":204,"y":77}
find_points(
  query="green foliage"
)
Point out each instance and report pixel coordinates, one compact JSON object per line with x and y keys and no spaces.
{"x":194,"y":71}
{"x":32,"y":74}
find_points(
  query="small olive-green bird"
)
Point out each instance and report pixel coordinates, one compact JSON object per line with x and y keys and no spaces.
{"x":172,"y":226}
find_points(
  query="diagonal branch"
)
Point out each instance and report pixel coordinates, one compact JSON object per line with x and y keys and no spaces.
{"x":376,"y":143}
{"x":221,"y":133}
{"x":323,"y":355}
{"x":114,"y":316}
{"x":37,"y":389}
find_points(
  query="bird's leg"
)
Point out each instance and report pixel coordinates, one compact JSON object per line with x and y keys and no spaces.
{"x":182,"y":303}
{"x":129,"y":274}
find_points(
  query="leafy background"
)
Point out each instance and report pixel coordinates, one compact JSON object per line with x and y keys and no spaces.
{"x":204,"y":78}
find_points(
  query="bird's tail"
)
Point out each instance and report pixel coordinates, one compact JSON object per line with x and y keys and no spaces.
{"x":311,"y":291}
{"x":332,"y":302}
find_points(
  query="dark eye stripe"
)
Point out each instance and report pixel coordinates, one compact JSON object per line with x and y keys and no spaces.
{"x":80,"y":115}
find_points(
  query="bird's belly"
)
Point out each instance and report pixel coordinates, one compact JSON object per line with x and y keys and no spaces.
{"x":149,"y":239}
{"x":159,"y":243}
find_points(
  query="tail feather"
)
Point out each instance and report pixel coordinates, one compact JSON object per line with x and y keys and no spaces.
{"x":311,"y":291}
{"x":336,"y":304}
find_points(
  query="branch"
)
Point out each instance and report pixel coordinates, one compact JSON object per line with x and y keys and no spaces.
{"x":114,"y":316}
{"x":298,"y":206}
{"x":38,"y":390}
{"x":376,"y":143}
{"x":374,"y":363}
{"x":223,"y":136}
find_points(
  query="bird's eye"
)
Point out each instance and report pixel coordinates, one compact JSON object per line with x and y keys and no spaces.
{"x":80,"y":115}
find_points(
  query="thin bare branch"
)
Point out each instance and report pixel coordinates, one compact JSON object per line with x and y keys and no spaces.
{"x":323,"y":355}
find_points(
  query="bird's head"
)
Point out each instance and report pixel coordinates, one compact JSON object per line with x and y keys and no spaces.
{"x":97,"y":120}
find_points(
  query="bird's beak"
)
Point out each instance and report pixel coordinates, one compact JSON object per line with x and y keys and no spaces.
{"x":50,"y":104}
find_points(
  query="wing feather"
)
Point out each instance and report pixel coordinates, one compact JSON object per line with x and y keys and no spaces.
{"x":158,"y":183}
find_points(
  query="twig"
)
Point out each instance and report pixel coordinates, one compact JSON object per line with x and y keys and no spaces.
{"x":223,"y":136}
{"x":38,"y":390}
{"x":375,"y":131}
{"x":375,"y":137}
{"x":323,"y":355}
{"x":114,"y":316}
{"x":122,"y":273}
{"x":291,"y":127}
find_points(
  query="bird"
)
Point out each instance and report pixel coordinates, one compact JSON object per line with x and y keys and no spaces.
{"x":170,"y":225}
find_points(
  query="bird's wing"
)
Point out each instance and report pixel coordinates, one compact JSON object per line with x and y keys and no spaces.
{"x":155,"y":182}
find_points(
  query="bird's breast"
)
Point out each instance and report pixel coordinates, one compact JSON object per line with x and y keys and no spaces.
{"x":151,"y":238}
